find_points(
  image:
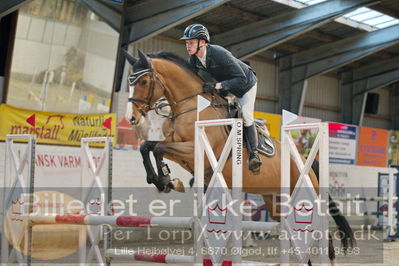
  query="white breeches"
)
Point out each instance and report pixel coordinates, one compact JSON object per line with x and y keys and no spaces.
{"x":247,"y":103}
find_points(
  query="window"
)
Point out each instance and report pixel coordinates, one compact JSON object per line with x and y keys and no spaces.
{"x":372,"y":18}
{"x":364,"y":17}
{"x":310,"y":2}
{"x":63,"y":59}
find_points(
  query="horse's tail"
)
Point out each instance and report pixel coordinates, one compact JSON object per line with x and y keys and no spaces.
{"x":345,"y":231}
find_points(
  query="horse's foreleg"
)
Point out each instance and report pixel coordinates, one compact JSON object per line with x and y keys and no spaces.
{"x":145,"y":149}
{"x":162,"y":167}
{"x":179,"y":151}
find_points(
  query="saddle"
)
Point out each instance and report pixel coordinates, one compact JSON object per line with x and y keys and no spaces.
{"x":265,"y":142}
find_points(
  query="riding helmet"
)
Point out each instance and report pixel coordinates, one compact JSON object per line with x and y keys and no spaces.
{"x":196,"y":31}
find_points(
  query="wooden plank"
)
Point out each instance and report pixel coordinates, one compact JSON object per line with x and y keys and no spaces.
{"x":149,"y":8}
{"x":320,"y":13}
{"x":159,"y":23}
{"x":364,"y":41}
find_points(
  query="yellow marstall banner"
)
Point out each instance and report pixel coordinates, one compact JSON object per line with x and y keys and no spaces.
{"x":55,"y":128}
{"x":273,"y":123}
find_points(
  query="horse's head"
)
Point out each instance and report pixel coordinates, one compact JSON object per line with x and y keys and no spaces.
{"x":145,"y":88}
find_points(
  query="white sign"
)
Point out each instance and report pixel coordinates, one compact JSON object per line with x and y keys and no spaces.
{"x":59,"y":169}
{"x":342,"y":143}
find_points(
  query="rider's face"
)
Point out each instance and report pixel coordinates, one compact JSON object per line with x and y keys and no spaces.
{"x":191,"y":45}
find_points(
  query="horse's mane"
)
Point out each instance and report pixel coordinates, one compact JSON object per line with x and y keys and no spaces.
{"x":183,"y":63}
{"x":174,"y":58}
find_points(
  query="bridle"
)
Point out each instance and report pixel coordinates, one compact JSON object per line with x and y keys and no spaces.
{"x":134,"y":78}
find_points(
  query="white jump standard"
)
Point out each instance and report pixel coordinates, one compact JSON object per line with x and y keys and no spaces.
{"x":306,"y":212}
{"x":19,"y":180}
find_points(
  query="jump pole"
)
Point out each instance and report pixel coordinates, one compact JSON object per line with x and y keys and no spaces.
{"x":137,"y":221}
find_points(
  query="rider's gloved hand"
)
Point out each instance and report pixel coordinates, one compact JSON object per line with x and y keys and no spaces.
{"x":222,"y":92}
{"x":208,"y":87}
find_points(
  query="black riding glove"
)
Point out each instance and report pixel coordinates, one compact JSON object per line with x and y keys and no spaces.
{"x":208,"y":87}
{"x":223,"y":93}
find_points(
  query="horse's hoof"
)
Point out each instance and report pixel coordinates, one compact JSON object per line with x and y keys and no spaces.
{"x":254,"y":163}
{"x":255,"y":169}
{"x":177,"y":185}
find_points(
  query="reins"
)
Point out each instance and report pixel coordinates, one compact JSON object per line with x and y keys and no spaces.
{"x":154,"y":78}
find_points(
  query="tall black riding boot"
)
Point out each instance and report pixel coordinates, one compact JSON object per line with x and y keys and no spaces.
{"x":254,"y":161}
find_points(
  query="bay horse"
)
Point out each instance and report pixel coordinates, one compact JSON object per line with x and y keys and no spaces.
{"x":164,"y":74}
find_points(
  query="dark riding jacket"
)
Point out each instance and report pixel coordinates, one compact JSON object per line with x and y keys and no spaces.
{"x":234,"y":75}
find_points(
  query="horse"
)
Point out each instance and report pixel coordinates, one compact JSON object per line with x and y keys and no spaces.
{"x":164,"y":74}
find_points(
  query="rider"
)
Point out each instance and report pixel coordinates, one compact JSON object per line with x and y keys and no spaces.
{"x":231,"y":74}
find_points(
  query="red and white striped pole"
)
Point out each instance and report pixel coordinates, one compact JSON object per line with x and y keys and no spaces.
{"x":122,"y":221}
{"x":136,"y":221}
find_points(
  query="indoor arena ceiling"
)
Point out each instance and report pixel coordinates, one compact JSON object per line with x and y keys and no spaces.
{"x":238,"y":13}
{"x":309,"y":37}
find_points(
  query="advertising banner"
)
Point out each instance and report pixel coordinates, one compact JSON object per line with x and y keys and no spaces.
{"x":393,"y":149}
{"x":55,"y":128}
{"x":373,"y":144}
{"x":273,"y":123}
{"x":342,"y":143}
